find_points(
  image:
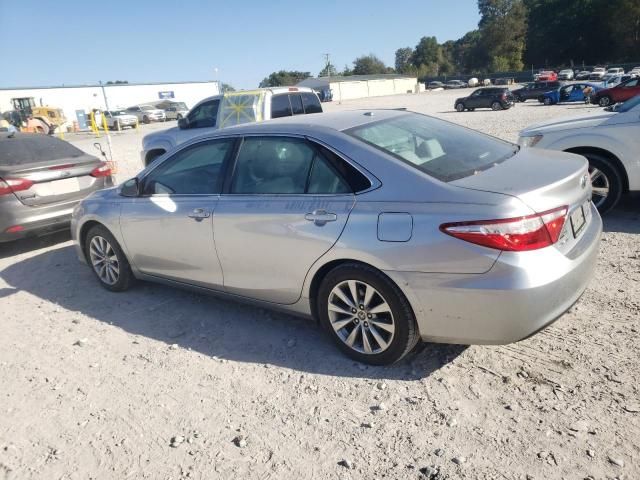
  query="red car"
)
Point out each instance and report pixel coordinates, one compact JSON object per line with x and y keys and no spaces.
{"x":547,"y":76}
{"x":620,"y":93}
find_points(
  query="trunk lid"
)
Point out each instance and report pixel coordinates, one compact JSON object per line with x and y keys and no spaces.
{"x":543,"y":180}
{"x":58,"y":171}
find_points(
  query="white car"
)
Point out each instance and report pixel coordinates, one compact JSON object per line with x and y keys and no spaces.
{"x":147,"y":113}
{"x":566,"y":74}
{"x":597,"y":73}
{"x":615,"y":71}
{"x":118,"y":119}
{"x":609,"y":140}
{"x":232,"y":108}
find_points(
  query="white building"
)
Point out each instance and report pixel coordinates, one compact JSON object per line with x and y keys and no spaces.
{"x":78,"y":101}
{"x":361,"y":86}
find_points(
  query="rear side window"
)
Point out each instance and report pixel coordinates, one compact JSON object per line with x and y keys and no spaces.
{"x":311,"y":102}
{"x":280,"y":106}
{"x":440,"y":149}
{"x":33,"y":148}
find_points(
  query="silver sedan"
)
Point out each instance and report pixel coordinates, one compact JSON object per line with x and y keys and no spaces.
{"x":388,"y":227}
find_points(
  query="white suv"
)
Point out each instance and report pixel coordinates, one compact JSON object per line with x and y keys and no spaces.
{"x":232,"y":108}
{"x":609,"y":140}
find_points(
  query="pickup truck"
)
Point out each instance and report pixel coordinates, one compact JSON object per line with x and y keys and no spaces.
{"x":232,"y":108}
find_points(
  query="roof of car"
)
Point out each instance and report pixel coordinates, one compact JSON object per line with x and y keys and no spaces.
{"x":306,"y":123}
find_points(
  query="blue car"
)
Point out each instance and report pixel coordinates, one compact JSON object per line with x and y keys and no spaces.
{"x":574,"y":92}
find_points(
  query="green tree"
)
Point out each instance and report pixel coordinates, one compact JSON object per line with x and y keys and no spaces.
{"x":369,"y":65}
{"x":284,"y":78}
{"x":503,"y":30}
{"x":403,"y":59}
{"x":227,"y":88}
{"x":328,"y":71}
{"x":427,"y":51}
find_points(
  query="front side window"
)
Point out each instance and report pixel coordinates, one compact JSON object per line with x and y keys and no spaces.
{"x":631,"y":83}
{"x":204,"y":115}
{"x":281,"y":165}
{"x":196,"y":170}
{"x":280,"y":106}
{"x":440,"y":149}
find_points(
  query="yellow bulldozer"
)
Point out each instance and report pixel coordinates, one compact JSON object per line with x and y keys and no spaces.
{"x":33,"y":118}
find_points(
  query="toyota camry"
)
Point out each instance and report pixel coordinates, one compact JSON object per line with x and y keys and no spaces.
{"x":387,"y":227}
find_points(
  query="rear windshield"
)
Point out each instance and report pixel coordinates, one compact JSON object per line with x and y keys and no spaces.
{"x":443,"y":150}
{"x":34,"y":148}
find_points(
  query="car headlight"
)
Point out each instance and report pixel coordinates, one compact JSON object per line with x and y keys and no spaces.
{"x":529,"y":141}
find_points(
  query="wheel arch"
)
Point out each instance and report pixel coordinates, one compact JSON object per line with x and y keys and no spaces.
{"x":152,"y":154}
{"x":84,"y":231}
{"x":609,"y":156}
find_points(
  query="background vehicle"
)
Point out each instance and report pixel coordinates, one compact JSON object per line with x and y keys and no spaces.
{"x":118,"y":119}
{"x":173,"y":110}
{"x":620,"y":93}
{"x":547,"y":76}
{"x":354,"y":240}
{"x":565,"y":74}
{"x":454,"y":84}
{"x":615,"y":71}
{"x":613,"y":80}
{"x":147,"y":113}
{"x":534,"y":90}
{"x":434,"y":85}
{"x":597,"y":73}
{"x":232,"y":108}
{"x":41,"y":119}
{"x":609,"y":140}
{"x":495,"y":98}
{"x":573,"y":92}
{"x":583,"y":75}
{"x":635,"y":72}
{"x":42,"y":178}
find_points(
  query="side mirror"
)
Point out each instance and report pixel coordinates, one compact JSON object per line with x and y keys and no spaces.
{"x":130,"y":188}
{"x":183,"y":123}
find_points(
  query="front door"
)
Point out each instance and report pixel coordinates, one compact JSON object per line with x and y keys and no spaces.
{"x":168,"y":230}
{"x":287,"y":205}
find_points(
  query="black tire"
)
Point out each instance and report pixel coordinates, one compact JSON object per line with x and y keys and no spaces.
{"x":116,"y":125}
{"x":495,"y":106}
{"x":179,"y":116}
{"x":125,"y":276}
{"x":604,"y":101}
{"x":471,"y":109}
{"x":406,"y":333}
{"x":611,"y":177}
{"x":541,"y":99}
{"x":519,"y":98}
{"x":547,"y":101}
{"x":459,"y":107}
{"x":145,"y":119}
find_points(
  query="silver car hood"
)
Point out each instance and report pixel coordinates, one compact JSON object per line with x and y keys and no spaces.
{"x":542,"y":179}
{"x":155,"y":137}
{"x":566,"y":124}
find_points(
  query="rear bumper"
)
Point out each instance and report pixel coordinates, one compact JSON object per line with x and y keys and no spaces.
{"x":523,"y":293}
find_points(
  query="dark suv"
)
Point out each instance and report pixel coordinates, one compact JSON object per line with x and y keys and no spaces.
{"x":495,"y":98}
{"x":535,"y":90}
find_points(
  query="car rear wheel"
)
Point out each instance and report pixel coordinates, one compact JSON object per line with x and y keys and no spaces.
{"x":145,"y":119}
{"x":107,"y":260}
{"x":495,"y":106}
{"x":606,"y":182}
{"x":460,"y":107}
{"x":116,"y":125}
{"x":547,"y":101}
{"x":604,"y":101}
{"x":366,"y":314}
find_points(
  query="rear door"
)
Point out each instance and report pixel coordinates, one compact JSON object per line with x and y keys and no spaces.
{"x":168,"y":230}
{"x":473,"y":100}
{"x":49,"y":170}
{"x":628,"y":90}
{"x":286,"y":205}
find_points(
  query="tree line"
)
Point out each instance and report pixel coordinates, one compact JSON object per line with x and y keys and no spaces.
{"x":512,"y":35}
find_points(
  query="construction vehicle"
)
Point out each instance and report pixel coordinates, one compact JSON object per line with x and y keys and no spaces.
{"x":40,"y":119}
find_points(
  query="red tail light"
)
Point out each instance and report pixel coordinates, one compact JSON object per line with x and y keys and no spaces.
{"x":102,"y":170}
{"x":12,"y":185}
{"x":512,"y":234}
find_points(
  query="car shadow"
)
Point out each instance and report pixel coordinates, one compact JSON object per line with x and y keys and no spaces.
{"x":625,"y":217}
{"x":23,"y":245}
{"x":213,"y":326}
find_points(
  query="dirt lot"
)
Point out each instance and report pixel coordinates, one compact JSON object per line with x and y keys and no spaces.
{"x":157,"y":383}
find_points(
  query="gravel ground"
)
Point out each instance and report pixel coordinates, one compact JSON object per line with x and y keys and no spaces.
{"x":159,"y":383}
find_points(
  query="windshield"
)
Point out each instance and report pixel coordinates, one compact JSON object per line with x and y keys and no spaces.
{"x":440,"y":149}
{"x":146,"y":108}
{"x":629,"y":104}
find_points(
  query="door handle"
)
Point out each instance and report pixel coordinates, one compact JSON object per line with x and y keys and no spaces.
{"x":320,"y":217}
{"x":199,"y":213}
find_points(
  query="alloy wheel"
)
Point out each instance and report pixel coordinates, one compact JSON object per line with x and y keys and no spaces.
{"x":104,"y":260}
{"x":599,"y":186}
{"x":361,"y":317}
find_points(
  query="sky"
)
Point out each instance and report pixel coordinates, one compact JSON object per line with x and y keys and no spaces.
{"x":72,"y":42}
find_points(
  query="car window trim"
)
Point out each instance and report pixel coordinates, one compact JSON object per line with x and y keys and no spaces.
{"x":223,"y":169}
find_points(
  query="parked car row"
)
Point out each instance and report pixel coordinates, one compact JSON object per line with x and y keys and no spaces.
{"x":495,"y":98}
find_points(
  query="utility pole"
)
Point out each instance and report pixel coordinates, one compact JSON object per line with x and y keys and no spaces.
{"x":326,"y":64}
{"x":106,"y":104}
